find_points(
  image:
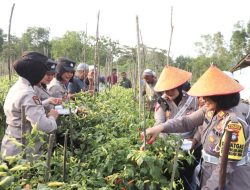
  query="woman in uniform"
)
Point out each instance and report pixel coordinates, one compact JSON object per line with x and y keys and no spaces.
{"x":222,"y":110}
{"x":41,"y":88}
{"x":170,"y":84}
{"x":58,"y":87}
{"x":31,"y":68}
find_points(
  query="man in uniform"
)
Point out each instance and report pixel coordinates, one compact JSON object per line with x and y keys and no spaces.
{"x":31,"y":69}
{"x":222,"y":111}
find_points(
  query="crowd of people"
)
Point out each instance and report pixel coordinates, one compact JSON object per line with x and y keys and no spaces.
{"x":201,"y":113}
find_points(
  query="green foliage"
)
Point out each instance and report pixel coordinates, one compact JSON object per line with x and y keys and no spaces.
{"x":106,"y":139}
{"x":36,"y":39}
{"x":4,"y":88}
{"x":2,"y":36}
{"x":68,"y":46}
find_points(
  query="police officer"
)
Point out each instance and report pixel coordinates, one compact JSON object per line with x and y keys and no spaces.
{"x":222,"y":110}
{"x":170,"y":84}
{"x":31,"y":69}
{"x":65,"y":72}
{"x":41,"y":87}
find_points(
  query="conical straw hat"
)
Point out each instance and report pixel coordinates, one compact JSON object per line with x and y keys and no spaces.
{"x":214,"y":82}
{"x":170,"y":78}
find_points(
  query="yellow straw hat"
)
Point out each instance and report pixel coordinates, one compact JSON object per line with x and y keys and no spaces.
{"x":170,"y":78}
{"x":214,"y":82}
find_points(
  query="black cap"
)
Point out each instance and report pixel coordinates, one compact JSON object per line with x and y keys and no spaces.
{"x":51,"y":66}
{"x":64,"y":65}
{"x":31,"y":66}
{"x":67,"y":65}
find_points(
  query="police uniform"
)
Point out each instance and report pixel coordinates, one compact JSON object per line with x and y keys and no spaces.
{"x":174,"y":78}
{"x":41,"y":90}
{"x":162,"y":116}
{"x":57,"y":87}
{"x":23,"y":94}
{"x":212,"y":129}
{"x":44,"y":96}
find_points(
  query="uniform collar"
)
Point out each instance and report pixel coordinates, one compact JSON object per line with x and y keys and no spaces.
{"x":24,"y":80}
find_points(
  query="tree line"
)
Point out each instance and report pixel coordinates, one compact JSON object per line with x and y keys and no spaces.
{"x":78,"y":46}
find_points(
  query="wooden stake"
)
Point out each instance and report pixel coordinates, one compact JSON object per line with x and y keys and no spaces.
{"x":71,"y":131}
{"x":9,"y":70}
{"x":171,"y":34}
{"x":139,"y":76}
{"x":96,"y":77}
{"x":50,"y":147}
{"x":65,"y":156}
{"x":224,"y":160}
{"x":23,"y":128}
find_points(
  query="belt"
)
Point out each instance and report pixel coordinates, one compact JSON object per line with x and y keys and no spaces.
{"x":215,"y":160}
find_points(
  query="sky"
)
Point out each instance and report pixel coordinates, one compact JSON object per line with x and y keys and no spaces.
{"x":191,"y":19}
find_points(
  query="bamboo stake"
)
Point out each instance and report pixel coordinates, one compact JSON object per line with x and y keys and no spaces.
{"x":65,"y":156}
{"x":171,"y":34}
{"x":139,"y":77}
{"x":143,"y":53}
{"x":139,"y":64}
{"x":11,"y":14}
{"x":96,"y":77}
{"x":178,"y":142}
{"x":224,"y":160}
{"x":134,"y":78}
{"x":50,"y":147}
{"x":71,"y":130}
{"x":23,"y":128}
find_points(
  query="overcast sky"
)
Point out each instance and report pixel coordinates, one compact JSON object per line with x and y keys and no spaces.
{"x":191,"y":19}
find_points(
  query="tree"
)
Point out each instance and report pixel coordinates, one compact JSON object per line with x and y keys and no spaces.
{"x":2,"y":38}
{"x":70,"y":45}
{"x":36,"y":39}
{"x":239,"y":41}
{"x":183,"y":62}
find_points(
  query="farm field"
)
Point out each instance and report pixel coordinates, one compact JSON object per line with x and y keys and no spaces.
{"x":102,"y":151}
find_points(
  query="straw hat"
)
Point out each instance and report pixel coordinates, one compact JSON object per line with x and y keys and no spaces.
{"x":214,"y":82}
{"x":170,"y":78}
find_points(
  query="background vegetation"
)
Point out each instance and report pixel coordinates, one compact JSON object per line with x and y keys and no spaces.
{"x":81,"y":48}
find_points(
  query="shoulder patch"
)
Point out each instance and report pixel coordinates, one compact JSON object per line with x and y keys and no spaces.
{"x":237,"y":143}
{"x":37,"y":100}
